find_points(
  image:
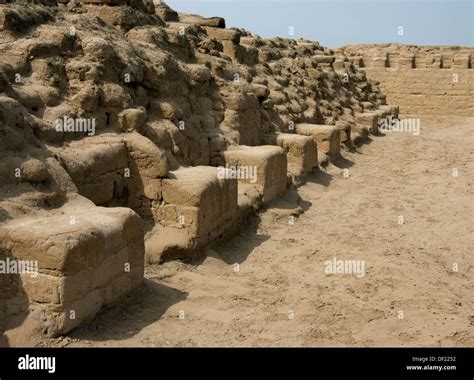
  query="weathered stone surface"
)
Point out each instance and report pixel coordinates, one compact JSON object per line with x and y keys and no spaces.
{"x":169,"y":93}
{"x":165,"y":12}
{"x":345,"y":128}
{"x":359,"y":135}
{"x":269,"y":163}
{"x":223,"y":34}
{"x":323,"y":58}
{"x":301,"y":151}
{"x":149,"y":160}
{"x":203,"y":195}
{"x":369,"y":120}
{"x":96,"y":168}
{"x":132,"y":119}
{"x":327,"y":137}
{"x":80,"y":251}
{"x":35,"y":171}
{"x":214,"y":22}
{"x":15,"y":19}
{"x":167,"y":243}
{"x":420,"y":79}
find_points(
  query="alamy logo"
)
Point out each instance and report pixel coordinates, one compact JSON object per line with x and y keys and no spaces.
{"x":245,"y":172}
{"x":10,"y":266}
{"x":28,"y":362}
{"x":335,"y":266}
{"x":75,"y":124}
{"x":391,"y":124}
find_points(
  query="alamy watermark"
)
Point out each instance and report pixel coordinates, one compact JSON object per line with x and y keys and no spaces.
{"x":245,"y":172}
{"x":46,"y":363}
{"x":75,"y":124}
{"x":392,"y":124}
{"x":12,"y":266}
{"x":336,"y":266}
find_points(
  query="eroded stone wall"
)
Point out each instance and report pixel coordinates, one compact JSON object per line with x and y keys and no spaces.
{"x":420,"y":79}
{"x":133,"y":132}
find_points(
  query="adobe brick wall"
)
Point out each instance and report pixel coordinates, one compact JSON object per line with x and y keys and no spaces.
{"x":420,"y":79}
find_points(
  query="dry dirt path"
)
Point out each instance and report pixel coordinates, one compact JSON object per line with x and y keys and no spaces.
{"x":281,"y":295}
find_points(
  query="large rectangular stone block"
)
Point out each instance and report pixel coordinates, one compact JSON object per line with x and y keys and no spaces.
{"x":327,"y":137}
{"x":368,"y":119}
{"x":80,"y":250}
{"x":301,"y":151}
{"x":268,"y":163}
{"x":223,"y":34}
{"x":201,"y":199}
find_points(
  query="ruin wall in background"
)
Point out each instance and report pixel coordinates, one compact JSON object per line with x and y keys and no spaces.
{"x":421,"y":80}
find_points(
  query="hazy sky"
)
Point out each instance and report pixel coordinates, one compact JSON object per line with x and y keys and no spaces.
{"x":340,"y":22}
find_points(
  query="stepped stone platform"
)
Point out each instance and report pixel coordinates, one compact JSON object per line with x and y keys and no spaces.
{"x":88,"y":257}
{"x":268,"y":163}
{"x":327,"y":137}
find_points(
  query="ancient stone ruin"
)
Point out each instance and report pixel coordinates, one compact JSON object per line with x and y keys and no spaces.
{"x":434,"y":80}
{"x":123,"y":124}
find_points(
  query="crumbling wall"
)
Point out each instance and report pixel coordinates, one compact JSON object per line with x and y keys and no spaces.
{"x":131,"y":131}
{"x":420,"y":79}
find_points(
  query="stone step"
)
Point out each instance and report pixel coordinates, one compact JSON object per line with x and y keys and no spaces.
{"x":369,"y":120}
{"x":199,"y":203}
{"x":263,"y":166}
{"x":87,"y":257}
{"x":113,"y":166}
{"x":327,"y":137}
{"x":301,"y":151}
{"x":96,"y":167}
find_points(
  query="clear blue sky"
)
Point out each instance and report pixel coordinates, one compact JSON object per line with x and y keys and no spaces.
{"x":340,"y":22}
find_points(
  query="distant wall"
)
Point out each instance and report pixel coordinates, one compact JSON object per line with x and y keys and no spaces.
{"x":421,"y":80}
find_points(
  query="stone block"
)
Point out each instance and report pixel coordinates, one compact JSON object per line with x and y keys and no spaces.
{"x":327,"y":137}
{"x":300,"y":150}
{"x":269,"y":163}
{"x":224,"y":34}
{"x":368,"y":119}
{"x":201,"y":199}
{"x":214,"y":22}
{"x":79,"y":249}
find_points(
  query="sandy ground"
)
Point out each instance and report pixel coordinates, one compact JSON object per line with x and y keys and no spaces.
{"x":280,"y":295}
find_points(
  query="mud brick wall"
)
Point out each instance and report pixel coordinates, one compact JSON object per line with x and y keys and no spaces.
{"x":421,"y":80}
